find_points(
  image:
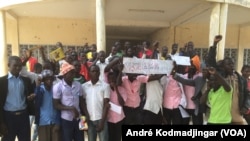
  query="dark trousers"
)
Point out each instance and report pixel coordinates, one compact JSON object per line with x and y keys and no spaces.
{"x":196,"y":119}
{"x":172,"y":116}
{"x":70,"y":130}
{"x":150,"y":118}
{"x":133,"y":116}
{"x":18,"y":125}
{"x":115,"y":131}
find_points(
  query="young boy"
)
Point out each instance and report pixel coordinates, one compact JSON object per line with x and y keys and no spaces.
{"x":220,"y":99}
{"x":48,"y":118}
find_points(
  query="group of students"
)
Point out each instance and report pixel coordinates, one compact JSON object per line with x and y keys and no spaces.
{"x":96,"y":87}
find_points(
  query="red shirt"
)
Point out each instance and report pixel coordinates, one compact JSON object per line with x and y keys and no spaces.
{"x":30,"y":64}
{"x":84,"y":70}
{"x":147,"y":52}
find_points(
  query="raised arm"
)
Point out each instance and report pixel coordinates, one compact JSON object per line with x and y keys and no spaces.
{"x":113,"y":63}
{"x":180,"y":79}
{"x":119,"y":76}
{"x":43,"y":55}
{"x":184,"y":81}
{"x":211,"y":60}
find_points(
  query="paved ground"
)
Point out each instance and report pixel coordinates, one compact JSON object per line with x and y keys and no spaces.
{"x":86,"y":137}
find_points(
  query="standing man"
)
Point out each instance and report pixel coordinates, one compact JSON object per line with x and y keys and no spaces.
{"x":100,"y":61}
{"x":226,"y":68}
{"x":174,"y":51}
{"x":16,"y":99}
{"x":97,"y":94}
{"x":67,"y":97}
{"x":47,"y":118}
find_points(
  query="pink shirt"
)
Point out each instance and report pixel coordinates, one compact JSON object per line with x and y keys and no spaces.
{"x":189,"y":92}
{"x":132,"y":90}
{"x":172,"y":94}
{"x":113,"y":116}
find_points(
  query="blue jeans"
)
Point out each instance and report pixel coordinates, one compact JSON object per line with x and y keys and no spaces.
{"x":70,"y":131}
{"x":92,"y":133}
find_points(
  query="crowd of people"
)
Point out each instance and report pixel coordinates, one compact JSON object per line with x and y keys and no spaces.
{"x":57,"y":94}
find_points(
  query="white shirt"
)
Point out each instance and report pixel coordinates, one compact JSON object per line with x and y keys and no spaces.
{"x":154,"y":96}
{"x":102,"y":66}
{"x":94,"y":96}
{"x":174,"y":55}
{"x":109,"y":57}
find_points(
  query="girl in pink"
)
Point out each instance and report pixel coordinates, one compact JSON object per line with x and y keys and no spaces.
{"x":197,"y":119}
{"x":172,"y":95}
{"x":115,"y":117}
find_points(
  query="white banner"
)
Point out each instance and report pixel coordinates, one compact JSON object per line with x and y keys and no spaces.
{"x":182,"y":60}
{"x":147,"y":66}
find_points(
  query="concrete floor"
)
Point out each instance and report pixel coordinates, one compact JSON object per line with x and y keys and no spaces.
{"x":85,"y":137}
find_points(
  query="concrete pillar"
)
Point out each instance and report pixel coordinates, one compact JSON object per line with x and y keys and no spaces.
{"x":214,"y":22}
{"x":218,"y":25}
{"x":223,"y":29}
{"x":3,"y":45}
{"x":100,"y":25}
{"x":240,"y":57}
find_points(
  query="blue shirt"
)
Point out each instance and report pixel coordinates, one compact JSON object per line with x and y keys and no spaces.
{"x":15,"y":100}
{"x":48,"y":114}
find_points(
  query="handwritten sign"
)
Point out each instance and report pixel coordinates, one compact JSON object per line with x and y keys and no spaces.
{"x":57,"y":54}
{"x":147,"y":66}
{"x":182,"y":60}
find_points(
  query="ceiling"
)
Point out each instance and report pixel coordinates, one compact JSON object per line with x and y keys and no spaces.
{"x":131,"y":18}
